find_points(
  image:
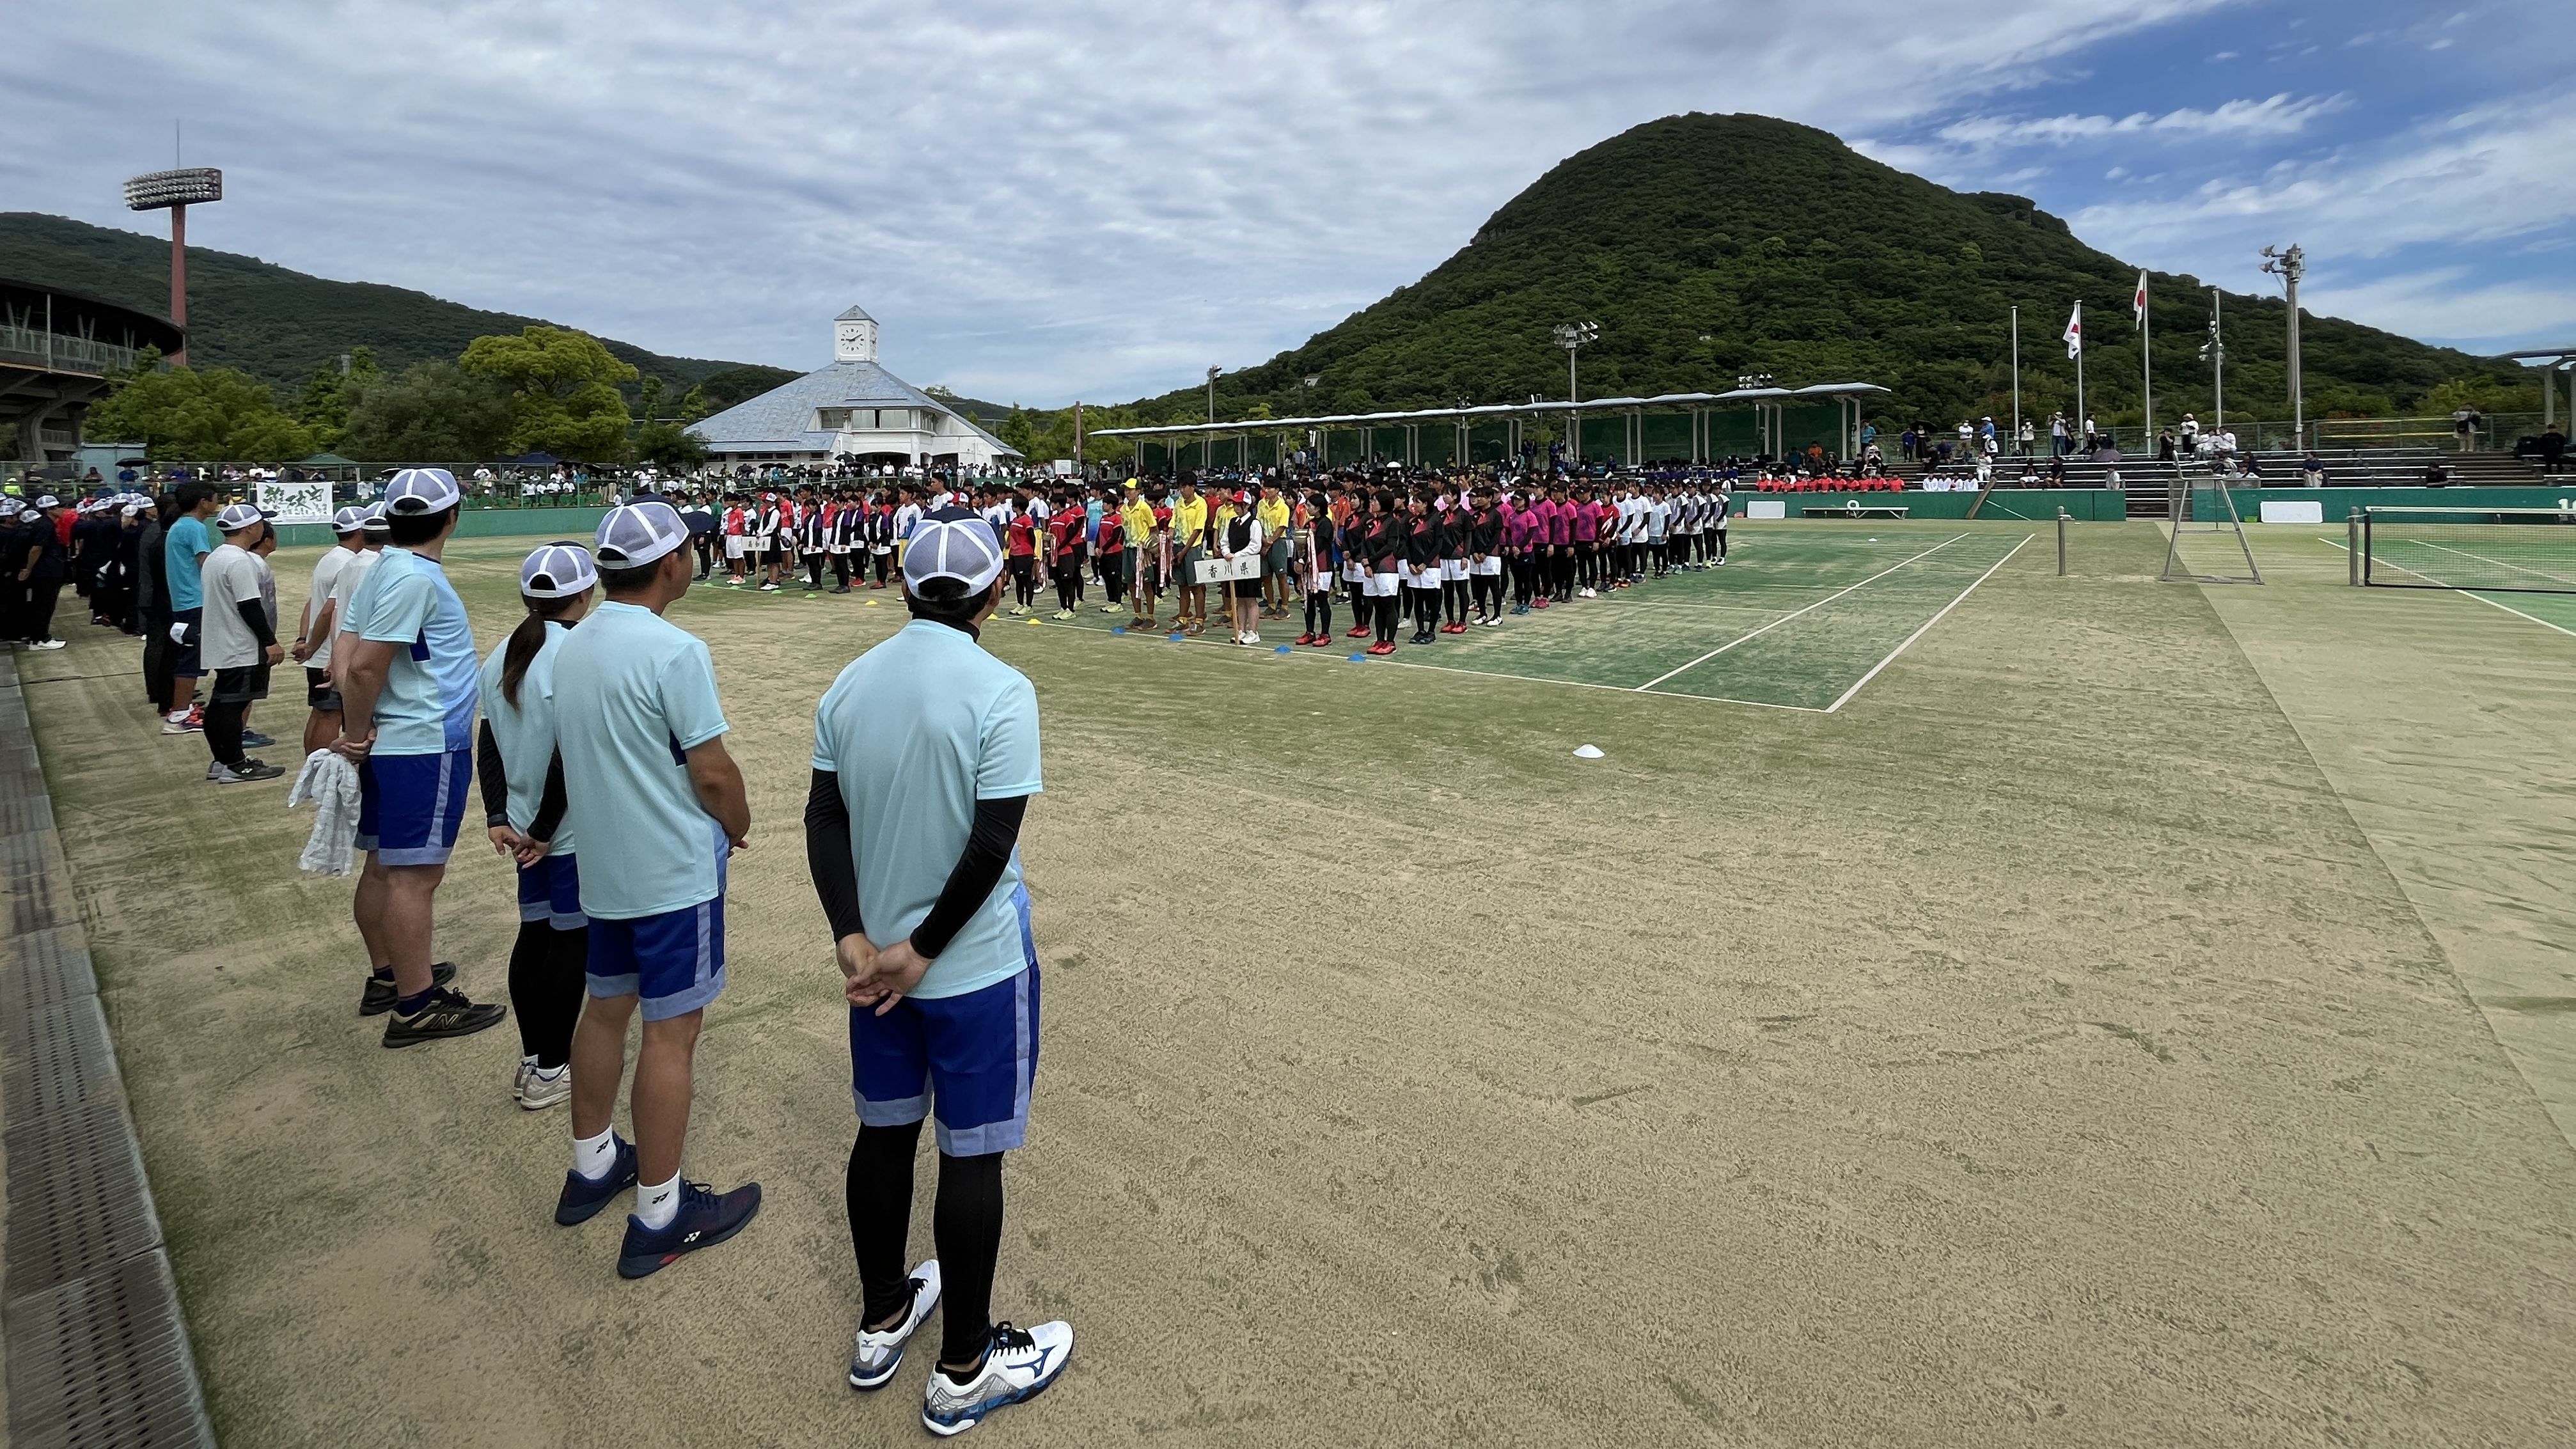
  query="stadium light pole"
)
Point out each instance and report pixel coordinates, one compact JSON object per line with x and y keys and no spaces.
{"x":1573,"y":337}
{"x":2016,"y":371}
{"x":174,"y":191}
{"x":1315,"y":436}
{"x":2214,"y":352}
{"x":2289,"y":265}
{"x":1207,"y":445}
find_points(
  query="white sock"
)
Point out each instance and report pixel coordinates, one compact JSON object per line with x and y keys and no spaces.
{"x":656,"y":1206}
{"x":178,"y":716}
{"x":592,"y":1157}
{"x":527,"y":1064}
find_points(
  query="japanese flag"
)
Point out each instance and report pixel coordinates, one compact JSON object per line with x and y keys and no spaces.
{"x":2138,"y":304}
{"x":2075,"y":332}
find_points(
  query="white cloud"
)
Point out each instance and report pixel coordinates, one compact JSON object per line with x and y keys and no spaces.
{"x":2451,"y":305}
{"x":2280,"y":115}
{"x":1095,"y":197}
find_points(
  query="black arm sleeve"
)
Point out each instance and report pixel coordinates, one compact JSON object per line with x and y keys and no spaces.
{"x":979,"y":866}
{"x":496,"y":785}
{"x":550,"y":805}
{"x":827,"y":855}
{"x":257,"y":618}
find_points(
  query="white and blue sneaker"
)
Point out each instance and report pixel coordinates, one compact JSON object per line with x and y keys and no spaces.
{"x":1018,"y":1366}
{"x":875,"y":1356}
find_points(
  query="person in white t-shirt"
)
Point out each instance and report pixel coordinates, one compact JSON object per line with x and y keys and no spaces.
{"x":320,"y":622}
{"x":239,"y":639}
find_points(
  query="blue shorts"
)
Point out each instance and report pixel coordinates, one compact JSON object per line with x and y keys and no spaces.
{"x":184,"y":657}
{"x":974,"y":1055}
{"x":409,"y":806}
{"x":550,"y":891}
{"x":673,"y":961}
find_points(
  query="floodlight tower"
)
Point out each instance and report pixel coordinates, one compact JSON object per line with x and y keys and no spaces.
{"x":2289,"y":265}
{"x":2214,"y":352}
{"x":173,"y":192}
{"x":1574,"y":337}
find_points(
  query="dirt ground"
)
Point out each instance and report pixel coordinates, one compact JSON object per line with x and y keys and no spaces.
{"x":2036,"y":1052}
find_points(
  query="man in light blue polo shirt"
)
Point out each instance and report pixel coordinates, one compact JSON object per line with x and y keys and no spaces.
{"x":408,"y":694}
{"x":183,"y":554}
{"x":925,"y":756}
{"x":657,"y":804}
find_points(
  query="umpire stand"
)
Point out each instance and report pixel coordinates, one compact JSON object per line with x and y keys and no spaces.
{"x":2191,"y":483}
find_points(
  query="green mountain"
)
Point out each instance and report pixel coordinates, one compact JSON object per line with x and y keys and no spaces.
{"x":280,"y":325}
{"x":1709,"y":247}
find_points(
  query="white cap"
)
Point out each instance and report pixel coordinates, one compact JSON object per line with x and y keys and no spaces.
{"x":416,"y":491}
{"x":349,"y":519}
{"x":557,"y":571}
{"x":953,"y":544}
{"x":639,"y":533}
{"x":49,"y":501}
{"x":237,"y":516}
{"x":130,"y":510}
{"x":375,"y":519}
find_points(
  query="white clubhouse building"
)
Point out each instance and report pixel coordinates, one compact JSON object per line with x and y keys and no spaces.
{"x":851,"y":410}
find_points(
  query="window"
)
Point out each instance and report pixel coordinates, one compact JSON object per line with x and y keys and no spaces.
{"x":835,"y":419}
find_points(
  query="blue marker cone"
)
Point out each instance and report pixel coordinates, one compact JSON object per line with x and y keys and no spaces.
{"x":1282,"y":649}
{"x":1359,"y":659}
{"x":1117,"y":628}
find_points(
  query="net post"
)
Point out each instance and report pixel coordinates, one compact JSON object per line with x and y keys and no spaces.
{"x":2061,"y":540}
{"x":2352,"y":545}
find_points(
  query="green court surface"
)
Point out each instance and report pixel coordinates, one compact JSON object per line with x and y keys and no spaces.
{"x":1800,"y":618}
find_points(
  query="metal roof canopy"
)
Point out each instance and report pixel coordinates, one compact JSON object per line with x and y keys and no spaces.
{"x":1670,"y":399}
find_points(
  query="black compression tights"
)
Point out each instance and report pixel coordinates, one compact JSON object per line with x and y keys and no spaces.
{"x":966,"y":1226}
{"x":1319,"y":612}
{"x":1066,"y":581}
{"x":546,"y":989}
{"x":1453,"y":597}
{"x":1387,"y":604}
{"x":1024,"y":582}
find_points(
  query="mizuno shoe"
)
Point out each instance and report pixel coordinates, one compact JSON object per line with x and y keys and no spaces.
{"x":874,"y":1355}
{"x":1017,"y":1368}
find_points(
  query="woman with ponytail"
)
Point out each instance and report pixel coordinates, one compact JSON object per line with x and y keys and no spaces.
{"x":523,"y":803}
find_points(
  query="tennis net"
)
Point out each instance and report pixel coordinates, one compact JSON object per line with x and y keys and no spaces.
{"x":2518,"y":550}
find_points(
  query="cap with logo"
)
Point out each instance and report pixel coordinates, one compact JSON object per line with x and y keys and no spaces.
{"x":349,"y":519}
{"x":557,"y":571}
{"x":418,"y":491}
{"x":48,"y":501}
{"x":639,"y":533}
{"x":238,"y":516}
{"x":952,"y":543}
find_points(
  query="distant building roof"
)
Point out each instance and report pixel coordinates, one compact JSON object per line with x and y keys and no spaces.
{"x":780,"y":419}
{"x":854,"y":315}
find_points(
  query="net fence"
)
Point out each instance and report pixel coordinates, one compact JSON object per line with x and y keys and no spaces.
{"x":2514,"y":550}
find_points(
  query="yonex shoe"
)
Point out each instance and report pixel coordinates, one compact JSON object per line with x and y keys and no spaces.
{"x":874,"y":1356}
{"x":381,"y":994}
{"x":704,"y":1220}
{"x":447,"y":1013}
{"x":1018,"y":1366}
{"x":583,"y":1197}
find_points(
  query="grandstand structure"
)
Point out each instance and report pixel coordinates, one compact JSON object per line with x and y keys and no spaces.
{"x":57,"y":351}
{"x":1628,"y":431}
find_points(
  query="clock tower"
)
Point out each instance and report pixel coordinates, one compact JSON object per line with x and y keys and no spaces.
{"x":854,"y":337}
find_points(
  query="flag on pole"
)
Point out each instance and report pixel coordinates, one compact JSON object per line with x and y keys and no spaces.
{"x":2075,"y":332}
{"x":2138,"y":304}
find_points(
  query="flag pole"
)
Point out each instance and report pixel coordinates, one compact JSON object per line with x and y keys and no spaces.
{"x":2082,"y":418}
{"x":2147,"y":357}
{"x":2016,"y":371}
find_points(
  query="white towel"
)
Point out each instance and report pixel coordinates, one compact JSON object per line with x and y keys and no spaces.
{"x":331,"y":783}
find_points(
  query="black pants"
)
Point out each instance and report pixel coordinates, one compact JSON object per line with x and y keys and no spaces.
{"x":546,"y":989}
{"x":156,"y":656}
{"x":1387,"y":605}
{"x":1113,"y":576}
{"x":813,"y":570}
{"x":224,"y":730}
{"x":706,"y":546}
{"x":840,"y":571}
{"x":36,"y":614}
{"x":1024,"y":580}
{"x":965,"y":1226}
{"x":1319,"y":613}
{"x":1068,"y":578}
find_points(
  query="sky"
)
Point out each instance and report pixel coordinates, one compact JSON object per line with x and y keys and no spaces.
{"x":1099,"y":199}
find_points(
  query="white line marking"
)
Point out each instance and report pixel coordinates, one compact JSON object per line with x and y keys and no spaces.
{"x":1927,"y":625}
{"x":1811,"y":608}
{"x":2482,"y":558}
{"x":2481,"y":598}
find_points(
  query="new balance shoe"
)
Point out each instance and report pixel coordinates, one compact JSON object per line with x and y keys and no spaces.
{"x":542,"y":1088}
{"x":243,"y":773}
{"x":583,"y":1197}
{"x":381,"y":994}
{"x":704,"y":1220}
{"x":1018,"y":1366}
{"x":875,"y":1354}
{"x":446,"y":1013}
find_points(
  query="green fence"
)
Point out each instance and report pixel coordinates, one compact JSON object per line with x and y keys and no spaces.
{"x":573,"y":523}
{"x":2338,"y":503}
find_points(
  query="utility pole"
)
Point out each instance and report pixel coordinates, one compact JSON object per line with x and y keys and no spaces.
{"x":1207,"y":445}
{"x":1574,"y":337}
{"x":2289,"y":265}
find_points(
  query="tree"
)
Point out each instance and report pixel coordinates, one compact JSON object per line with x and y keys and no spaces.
{"x":433,"y":412}
{"x":669,"y":444}
{"x":1018,"y":433}
{"x":325,"y":408}
{"x":214,"y":413}
{"x":562,"y":391}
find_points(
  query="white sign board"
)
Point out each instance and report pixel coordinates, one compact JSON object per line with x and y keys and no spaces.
{"x":1064,"y":467}
{"x":2293,"y":511}
{"x":1224,"y":570}
{"x":1765,"y":508}
{"x":308,"y":502}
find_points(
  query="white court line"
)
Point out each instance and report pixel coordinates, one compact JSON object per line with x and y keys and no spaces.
{"x":1785,"y":618}
{"x":1336,"y":656}
{"x":2482,"y":558}
{"x":2481,"y":598}
{"x":1927,"y":625}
